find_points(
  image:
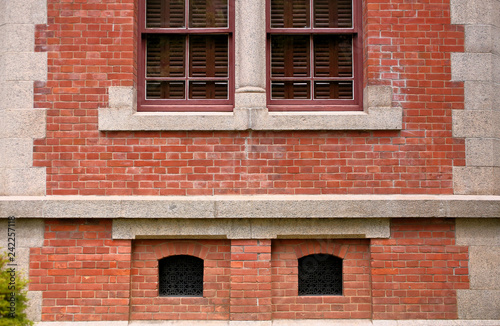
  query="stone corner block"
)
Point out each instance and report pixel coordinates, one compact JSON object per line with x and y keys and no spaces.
{"x":473,"y":11}
{"x":17,"y":37}
{"x":23,"y":123}
{"x":377,"y":96}
{"x":27,"y":66}
{"x":25,"y":12}
{"x":479,"y":95}
{"x":16,"y":152}
{"x":476,"y":180}
{"x":475,"y":123}
{"x":482,"y":151}
{"x":23,"y":181}
{"x":478,"y":304}
{"x":121,"y":97}
{"x":471,"y":66}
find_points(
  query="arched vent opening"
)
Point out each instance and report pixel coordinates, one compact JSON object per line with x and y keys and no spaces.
{"x":320,"y":274}
{"x":181,"y":275}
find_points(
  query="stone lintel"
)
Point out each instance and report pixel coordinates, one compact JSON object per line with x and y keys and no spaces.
{"x":250,"y":228}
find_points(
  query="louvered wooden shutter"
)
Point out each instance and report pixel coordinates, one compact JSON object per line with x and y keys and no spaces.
{"x":333,"y":13}
{"x":208,"y":13}
{"x":290,"y":13}
{"x":164,"y":14}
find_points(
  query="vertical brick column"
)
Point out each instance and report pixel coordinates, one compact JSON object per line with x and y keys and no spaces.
{"x":250,"y":280}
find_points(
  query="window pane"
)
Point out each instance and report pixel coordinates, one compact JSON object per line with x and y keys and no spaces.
{"x":290,"y":90}
{"x":208,"y":56}
{"x":164,"y":13}
{"x":208,"y":90}
{"x":208,"y":13}
{"x":333,"y":56}
{"x":289,"y":13}
{"x":165,"y":90}
{"x":333,"y":90}
{"x":289,"y":56}
{"x":333,"y":13}
{"x":165,"y":56}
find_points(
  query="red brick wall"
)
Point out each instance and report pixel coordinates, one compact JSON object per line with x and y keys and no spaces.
{"x":145,"y":302}
{"x":83,"y":273}
{"x":415,"y":273}
{"x":250,"y":279}
{"x":355,"y":303}
{"x":91,"y":46}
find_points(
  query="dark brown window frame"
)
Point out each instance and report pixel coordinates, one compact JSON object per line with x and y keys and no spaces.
{"x":354,"y":104}
{"x":171,"y":105}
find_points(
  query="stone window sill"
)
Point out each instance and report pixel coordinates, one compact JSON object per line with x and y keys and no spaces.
{"x":250,"y":113}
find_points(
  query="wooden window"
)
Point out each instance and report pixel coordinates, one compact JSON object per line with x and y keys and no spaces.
{"x":314,"y":55}
{"x":186,"y":57}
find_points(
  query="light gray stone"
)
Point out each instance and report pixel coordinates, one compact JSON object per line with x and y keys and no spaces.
{"x":91,"y":323}
{"x":484,"y":267}
{"x":473,"y":12}
{"x":478,"y":304}
{"x":22,"y":123}
{"x":114,"y":119}
{"x":33,"y":207}
{"x":495,"y":39}
{"x":29,"y":233}
{"x":16,"y":152}
{"x":122,"y":97}
{"x":19,"y":93}
{"x":250,"y":44}
{"x":377,"y":96}
{"x":478,"y":232}
{"x":471,"y":66}
{"x":482,"y":151}
{"x":479,"y":95}
{"x":476,"y":180}
{"x":250,"y":323}
{"x":247,"y":207}
{"x":478,"y":38}
{"x":23,"y":66}
{"x":34,"y":309}
{"x":172,"y":323}
{"x":23,"y":181}
{"x":25,"y":12}
{"x":374,"y":119}
{"x":17,"y":37}
{"x":475,"y":123}
{"x":283,"y":322}
{"x":250,"y":228}
{"x":250,"y":97}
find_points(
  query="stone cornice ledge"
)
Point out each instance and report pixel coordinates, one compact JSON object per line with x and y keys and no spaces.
{"x":277,"y":206}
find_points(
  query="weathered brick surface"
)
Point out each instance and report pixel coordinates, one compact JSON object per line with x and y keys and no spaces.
{"x":91,"y":46}
{"x":417,"y":272}
{"x":83,"y":273}
{"x":250,"y":279}
{"x":86,"y":276}
{"x":355,"y":302}
{"x":146,"y":304}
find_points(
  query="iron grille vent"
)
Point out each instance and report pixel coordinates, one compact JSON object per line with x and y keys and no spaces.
{"x":181,"y":276}
{"x":320,"y":274}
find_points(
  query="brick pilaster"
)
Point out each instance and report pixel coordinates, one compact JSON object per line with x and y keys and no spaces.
{"x":250,"y":280}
